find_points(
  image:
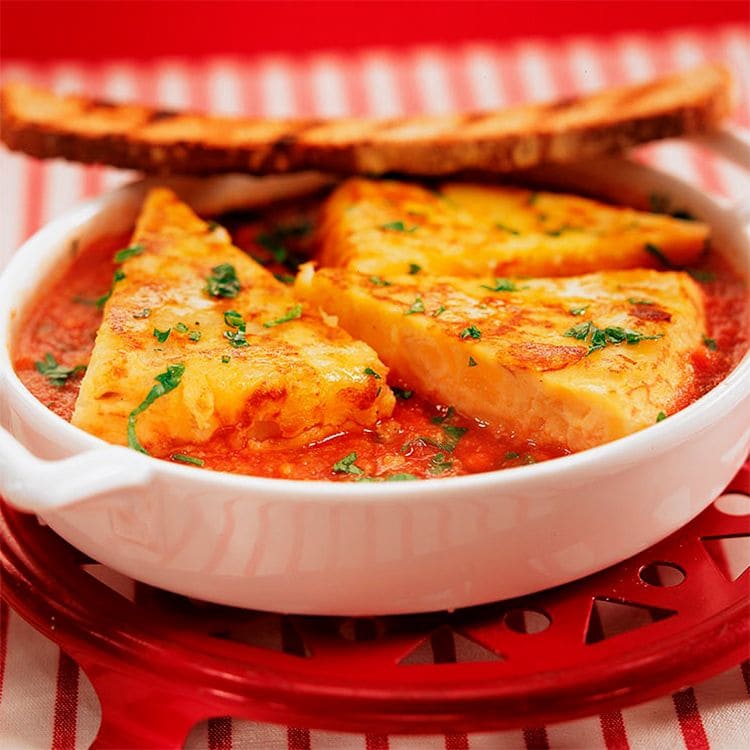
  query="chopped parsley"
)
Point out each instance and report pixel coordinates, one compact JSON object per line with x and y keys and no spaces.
{"x":709,"y":343}
{"x":414,"y":268}
{"x":291,"y":314}
{"x":143,"y":313}
{"x":234,"y":319}
{"x":194,"y":335}
{"x":701,"y":275}
{"x":449,"y":412}
{"x":564,"y":228}
{"x":507,"y":229}
{"x":472,"y":362}
{"x":437,"y":313}
{"x":236,"y":338}
{"x":656,"y":251}
{"x":128,"y":252}
{"x":454,"y":435}
{"x":416,"y":307}
{"x":370,"y":371}
{"x":661,"y":416}
{"x":226,"y":359}
{"x":390,"y":478}
{"x":378,"y":281}
{"x":181,"y":328}
{"x":439,"y":464}
{"x":57,"y":374}
{"x":636,"y":301}
{"x":117,"y":277}
{"x":472,"y":332}
{"x":284,"y":278}
{"x":502,"y":285}
{"x":401,"y":393}
{"x":184,"y":459}
{"x":212,"y":225}
{"x":165,"y":382}
{"x":347,"y":465}
{"x":510,"y":455}
{"x":578,"y":310}
{"x":275,"y":240}
{"x":162,"y":336}
{"x":399,"y":226}
{"x":223,"y":281}
{"x":598,"y":338}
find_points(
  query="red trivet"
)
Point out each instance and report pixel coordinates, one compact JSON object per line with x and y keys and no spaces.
{"x":160,"y":663}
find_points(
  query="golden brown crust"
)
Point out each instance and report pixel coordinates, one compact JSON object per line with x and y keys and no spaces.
{"x":46,"y":125}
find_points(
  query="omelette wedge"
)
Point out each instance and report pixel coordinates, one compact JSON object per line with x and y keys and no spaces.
{"x":566,"y":361}
{"x":463,"y":229}
{"x":198,"y":338}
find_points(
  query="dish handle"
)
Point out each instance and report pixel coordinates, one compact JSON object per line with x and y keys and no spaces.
{"x":35,"y":485}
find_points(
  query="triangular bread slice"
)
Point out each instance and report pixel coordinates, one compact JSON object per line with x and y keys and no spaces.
{"x":297,"y":377}
{"x":571,"y":361}
{"x":391,"y":227}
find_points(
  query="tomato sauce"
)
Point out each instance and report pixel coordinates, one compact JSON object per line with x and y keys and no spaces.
{"x":419,"y":440}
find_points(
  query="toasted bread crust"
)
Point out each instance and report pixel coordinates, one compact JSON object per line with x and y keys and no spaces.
{"x":77,"y":128}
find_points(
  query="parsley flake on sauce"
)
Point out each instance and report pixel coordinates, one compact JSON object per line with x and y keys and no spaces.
{"x":439,"y":464}
{"x":57,"y":374}
{"x":416,"y":307}
{"x":223,"y":282}
{"x":291,"y":314}
{"x":472,"y":362}
{"x":471,"y":332}
{"x":284,"y":278}
{"x":399,"y":226}
{"x":194,"y":335}
{"x":226,"y":359}
{"x":502,"y":285}
{"x":185,"y":459}
{"x":709,"y":343}
{"x":437,"y":313}
{"x":128,"y":252}
{"x":236,"y":338}
{"x":661,"y":416}
{"x":347,"y":465}
{"x":510,"y":455}
{"x":370,"y":371}
{"x":578,"y":310}
{"x":181,"y":328}
{"x":414,"y":268}
{"x":162,"y":336}
{"x":234,"y":319}
{"x":165,"y":382}
{"x":636,"y":301}
{"x":401,"y":393}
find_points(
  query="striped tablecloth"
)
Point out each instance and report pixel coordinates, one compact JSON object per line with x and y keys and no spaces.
{"x":45,"y":701}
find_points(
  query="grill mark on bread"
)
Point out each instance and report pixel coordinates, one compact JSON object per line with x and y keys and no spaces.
{"x":42,"y":124}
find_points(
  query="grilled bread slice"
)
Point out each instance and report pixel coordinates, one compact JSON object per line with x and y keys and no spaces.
{"x":573,"y":361}
{"x":387,"y":227}
{"x":268,"y":369}
{"x":43,"y":124}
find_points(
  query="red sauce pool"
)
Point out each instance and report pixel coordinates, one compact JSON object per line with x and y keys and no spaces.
{"x":420,"y":439}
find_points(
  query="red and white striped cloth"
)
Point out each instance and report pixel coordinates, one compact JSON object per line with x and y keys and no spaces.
{"x":45,"y":702}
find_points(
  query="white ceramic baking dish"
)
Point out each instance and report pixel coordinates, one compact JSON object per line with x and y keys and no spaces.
{"x":363,"y":549}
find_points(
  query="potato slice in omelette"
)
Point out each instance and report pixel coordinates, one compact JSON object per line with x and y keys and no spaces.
{"x":565,"y":361}
{"x":390,"y":227}
{"x":247,"y":357}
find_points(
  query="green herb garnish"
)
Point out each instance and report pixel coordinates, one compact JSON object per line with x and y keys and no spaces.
{"x":184,"y":459}
{"x":128,"y":252}
{"x":165,"y":382}
{"x":507,"y":229}
{"x":656,"y":251}
{"x":416,"y":307}
{"x":226,"y":359}
{"x":510,"y":455}
{"x":635,"y":301}
{"x":57,"y":374}
{"x":709,"y":343}
{"x":661,"y":416}
{"x":378,"y":281}
{"x":347,"y":465}
{"x":284,"y":278}
{"x":414,"y":268}
{"x":370,"y":371}
{"x":236,"y":338}
{"x":162,"y":336}
{"x":143,"y":313}
{"x":399,"y":226}
{"x":401,"y":393}
{"x":472,"y":362}
{"x":291,"y":314}
{"x":223,"y":281}
{"x":472,"y":332}
{"x":449,"y":412}
{"x":194,"y":335}
{"x":599,"y":338}
{"x":439,"y":464}
{"x":578,"y":310}
{"x":117,"y":277}
{"x":234,"y":319}
{"x":181,"y":328}
{"x":501,"y":285}
{"x":438,"y":312}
